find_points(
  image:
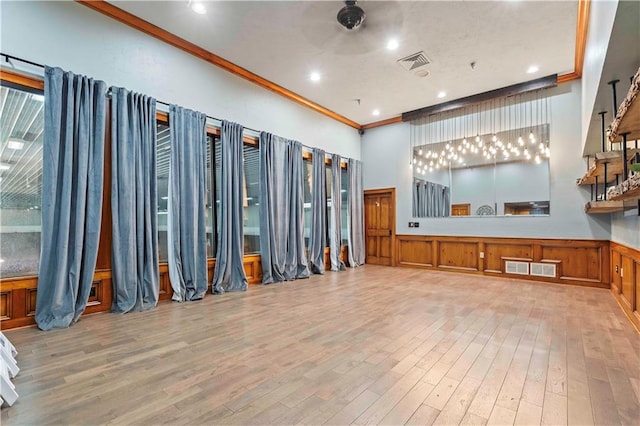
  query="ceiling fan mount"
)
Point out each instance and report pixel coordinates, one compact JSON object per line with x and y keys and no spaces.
{"x":351,"y":16}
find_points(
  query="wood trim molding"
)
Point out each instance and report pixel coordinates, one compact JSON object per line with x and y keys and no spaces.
{"x":21,"y":79}
{"x":380,"y":123}
{"x":146,"y":27}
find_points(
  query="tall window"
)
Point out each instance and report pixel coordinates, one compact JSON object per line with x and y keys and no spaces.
{"x":344,"y":183}
{"x":307,"y":171}
{"x":250,"y":196}
{"x":21,"y":135}
{"x":329,"y":195}
{"x":210,"y":217}
{"x":163,"y":158}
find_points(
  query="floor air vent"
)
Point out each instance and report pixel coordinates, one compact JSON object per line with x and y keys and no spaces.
{"x":543,"y":269}
{"x":519,"y":268}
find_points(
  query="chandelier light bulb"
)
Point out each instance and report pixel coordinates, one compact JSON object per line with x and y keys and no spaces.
{"x":541,"y":147}
{"x":464,"y":150}
{"x":477,"y":138}
{"x":537,"y":159}
{"x":442,"y":153}
{"x":420,"y":151}
{"x":520,"y":141}
{"x":420,"y":163}
{"x":437,"y":166}
{"x":494,"y":137}
{"x":424,"y":172}
{"x":418,"y":170}
{"x":414,"y":160}
{"x":448,"y":146}
{"x":430,"y":169}
{"x":464,"y":141}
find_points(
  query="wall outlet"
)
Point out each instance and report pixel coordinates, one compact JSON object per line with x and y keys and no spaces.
{"x":617,"y":269}
{"x":416,"y":224}
{"x":481,"y":255}
{"x":410,"y":224}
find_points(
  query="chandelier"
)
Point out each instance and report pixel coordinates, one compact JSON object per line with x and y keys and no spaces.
{"x":496,"y":131}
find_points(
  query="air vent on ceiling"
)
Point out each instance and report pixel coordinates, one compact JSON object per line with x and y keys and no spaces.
{"x":414,"y":61}
{"x":519,"y":268}
{"x":543,"y":269}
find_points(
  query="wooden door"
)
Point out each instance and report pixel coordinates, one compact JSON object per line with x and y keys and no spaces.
{"x":379,"y":221}
{"x":460,"y":209}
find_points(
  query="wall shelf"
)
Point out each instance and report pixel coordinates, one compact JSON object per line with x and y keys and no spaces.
{"x":628,"y":116}
{"x":613,"y":159}
{"x":601,"y":207}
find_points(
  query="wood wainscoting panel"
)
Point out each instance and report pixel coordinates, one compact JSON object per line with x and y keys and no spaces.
{"x":495,"y":251}
{"x":581,"y":262}
{"x":458,"y":255}
{"x":253,"y":268}
{"x":6,"y":312}
{"x":616,"y":262}
{"x":625,"y":280}
{"x":578,"y":263}
{"x":166,"y":291}
{"x":415,"y":251}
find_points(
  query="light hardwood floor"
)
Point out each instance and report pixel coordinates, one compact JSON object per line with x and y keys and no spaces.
{"x":371,"y":345}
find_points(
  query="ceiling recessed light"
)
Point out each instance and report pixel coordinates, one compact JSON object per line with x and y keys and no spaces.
{"x":314,"y":76}
{"x":5,"y":166}
{"x":198,"y":7}
{"x":15,"y":144}
{"x":393,"y":44}
{"x":532,"y":69}
{"x":376,"y":112}
{"x":442,"y":94}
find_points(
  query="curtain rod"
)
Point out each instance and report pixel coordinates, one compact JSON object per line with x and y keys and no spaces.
{"x":9,"y":57}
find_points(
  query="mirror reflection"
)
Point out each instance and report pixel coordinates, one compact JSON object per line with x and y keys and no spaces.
{"x":493,"y":174}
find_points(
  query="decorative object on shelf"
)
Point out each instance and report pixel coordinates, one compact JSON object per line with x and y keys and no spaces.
{"x":485,"y":210}
{"x":628,"y":111}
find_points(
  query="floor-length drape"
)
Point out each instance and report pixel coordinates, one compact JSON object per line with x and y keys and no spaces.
{"x":318,"y":237}
{"x":186,"y":234}
{"x":355,"y":214}
{"x":72,"y":183}
{"x":134,"y":202}
{"x":335,"y":219}
{"x":229,"y":274}
{"x":430,"y":199}
{"x":282,"y":248}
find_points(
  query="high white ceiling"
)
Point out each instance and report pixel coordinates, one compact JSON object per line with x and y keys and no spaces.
{"x":285,"y":41}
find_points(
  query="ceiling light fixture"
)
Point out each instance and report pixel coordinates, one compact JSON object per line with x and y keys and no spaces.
{"x":15,"y":144}
{"x":376,"y":112}
{"x":392,"y":44}
{"x":5,"y":166}
{"x":442,"y":94}
{"x":314,"y":76}
{"x":533,"y":69}
{"x":198,"y":7}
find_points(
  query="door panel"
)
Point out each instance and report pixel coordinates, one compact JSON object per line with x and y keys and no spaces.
{"x":379,"y":220}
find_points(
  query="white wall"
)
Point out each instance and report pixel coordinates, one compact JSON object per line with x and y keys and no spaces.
{"x":75,"y":38}
{"x":385,"y":156}
{"x":602,"y":14}
{"x":625,"y":228}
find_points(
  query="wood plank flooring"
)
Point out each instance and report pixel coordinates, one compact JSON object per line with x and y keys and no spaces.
{"x":374,"y":345}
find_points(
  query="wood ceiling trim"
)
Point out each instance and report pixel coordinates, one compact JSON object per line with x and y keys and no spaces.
{"x":582,"y":30}
{"x":182,"y":44}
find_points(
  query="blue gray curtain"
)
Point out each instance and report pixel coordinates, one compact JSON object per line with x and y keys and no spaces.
{"x":430,"y":199}
{"x":186,"y":234}
{"x":335,"y":219}
{"x":134,"y":201}
{"x":229,"y":273}
{"x":318,"y":237}
{"x":73,"y":168}
{"x":355,"y":214}
{"x":282,"y":248}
